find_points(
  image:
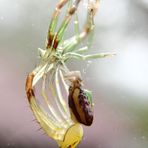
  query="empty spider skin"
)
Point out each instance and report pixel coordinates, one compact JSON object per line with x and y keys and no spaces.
{"x":80,"y":105}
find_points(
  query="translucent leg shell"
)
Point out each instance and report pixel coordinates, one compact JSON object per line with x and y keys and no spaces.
{"x":57,"y":122}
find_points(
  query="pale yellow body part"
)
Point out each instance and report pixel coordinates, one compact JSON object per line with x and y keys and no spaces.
{"x":72,"y":137}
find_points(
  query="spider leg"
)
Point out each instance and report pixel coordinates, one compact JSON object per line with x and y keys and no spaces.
{"x":55,"y":89}
{"x":53,"y":24}
{"x":56,"y":118}
{"x":59,"y":93}
{"x":47,"y":123}
{"x":62,"y":28}
{"x":87,"y":57}
{"x":82,"y":50}
{"x":71,"y":43}
{"x":76,"y":24}
{"x":63,"y":81}
{"x":63,"y":107}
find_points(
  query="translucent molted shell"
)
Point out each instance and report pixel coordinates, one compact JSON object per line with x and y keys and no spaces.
{"x":60,"y":121}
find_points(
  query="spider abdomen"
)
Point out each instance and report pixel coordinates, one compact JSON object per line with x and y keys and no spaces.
{"x":81,"y":106}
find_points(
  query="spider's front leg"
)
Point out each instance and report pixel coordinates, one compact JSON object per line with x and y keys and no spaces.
{"x":71,"y":43}
{"x":53,"y":24}
{"x":70,"y":13}
{"x":53,"y":39}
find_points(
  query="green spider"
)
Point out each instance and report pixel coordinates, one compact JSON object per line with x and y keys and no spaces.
{"x":60,"y":122}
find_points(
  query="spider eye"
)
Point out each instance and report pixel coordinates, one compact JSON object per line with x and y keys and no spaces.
{"x":80,"y":102}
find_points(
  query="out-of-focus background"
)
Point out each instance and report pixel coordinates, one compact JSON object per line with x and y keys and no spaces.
{"x":119,"y":83}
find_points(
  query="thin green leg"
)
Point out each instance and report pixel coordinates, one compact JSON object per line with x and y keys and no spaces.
{"x":87,"y":57}
{"x":70,"y":44}
{"x":53,"y":24}
{"x":67,"y":19}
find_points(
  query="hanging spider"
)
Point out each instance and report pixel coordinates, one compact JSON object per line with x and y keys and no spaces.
{"x":63,"y":122}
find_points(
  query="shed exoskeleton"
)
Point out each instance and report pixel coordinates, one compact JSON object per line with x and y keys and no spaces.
{"x":56,"y":120}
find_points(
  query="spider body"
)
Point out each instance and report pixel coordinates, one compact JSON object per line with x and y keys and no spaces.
{"x":57,"y":122}
{"x":80,"y":105}
{"x":79,"y":99}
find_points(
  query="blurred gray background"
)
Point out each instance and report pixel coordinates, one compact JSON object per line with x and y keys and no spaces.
{"x":119,"y":84}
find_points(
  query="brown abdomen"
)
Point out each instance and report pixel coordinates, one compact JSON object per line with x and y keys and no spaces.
{"x":80,"y":106}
